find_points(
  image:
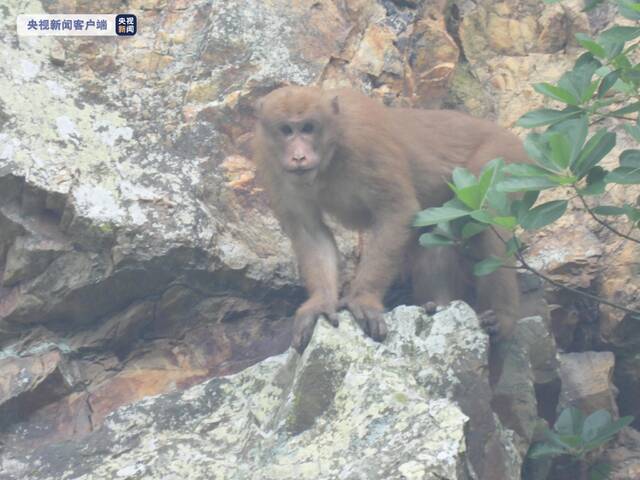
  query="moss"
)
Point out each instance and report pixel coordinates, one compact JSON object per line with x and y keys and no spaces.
{"x":467,"y":92}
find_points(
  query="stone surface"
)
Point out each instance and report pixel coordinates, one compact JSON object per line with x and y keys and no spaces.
{"x":587,"y":382}
{"x":524,"y":390}
{"x":624,"y":455}
{"x":347,"y":408}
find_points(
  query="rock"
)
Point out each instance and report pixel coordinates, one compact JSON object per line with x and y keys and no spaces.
{"x":528,"y":379}
{"x":29,"y":383}
{"x":624,"y":455}
{"x":347,"y":408}
{"x":627,"y":379}
{"x":30,"y":256}
{"x":587,"y":382}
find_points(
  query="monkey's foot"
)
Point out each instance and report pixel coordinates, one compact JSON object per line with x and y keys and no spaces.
{"x":490,"y":323}
{"x":306,"y":319}
{"x":368,"y":314}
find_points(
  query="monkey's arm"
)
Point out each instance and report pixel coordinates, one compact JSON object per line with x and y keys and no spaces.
{"x":381,"y":260}
{"x":317,"y":256}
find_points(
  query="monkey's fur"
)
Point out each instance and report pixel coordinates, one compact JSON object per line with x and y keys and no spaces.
{"x":373,"y":168}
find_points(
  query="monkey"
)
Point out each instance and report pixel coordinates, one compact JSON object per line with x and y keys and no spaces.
{"x":372,"y":168}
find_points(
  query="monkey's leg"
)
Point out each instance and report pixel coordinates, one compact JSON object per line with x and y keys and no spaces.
{"x":437,"y":276}
{"x":497,"y":294}
{"x":381,"y":260}
{"x":317,"y":256}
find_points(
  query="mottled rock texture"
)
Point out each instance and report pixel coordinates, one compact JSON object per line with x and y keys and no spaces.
{"x":347,"y":408}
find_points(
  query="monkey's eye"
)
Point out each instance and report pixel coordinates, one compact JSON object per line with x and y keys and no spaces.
{"x":307,"y":127}
{"x":286,"y":130}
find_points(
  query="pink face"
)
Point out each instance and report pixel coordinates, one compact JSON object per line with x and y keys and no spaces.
{"x":299,"y":153}
{"x":298,"y":126}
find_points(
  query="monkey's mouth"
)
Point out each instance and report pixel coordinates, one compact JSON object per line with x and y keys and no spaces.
{"x":301,"y":171}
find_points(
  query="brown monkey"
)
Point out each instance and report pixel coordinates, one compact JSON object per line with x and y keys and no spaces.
{"x":373,"y":168}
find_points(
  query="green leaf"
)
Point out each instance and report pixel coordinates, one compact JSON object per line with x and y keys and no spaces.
{"x":471,"y":229}
{"x":575,"y":129}
{"x":481,"y":216}
{"x":589,"y":91}
{"x":513,"y":245}
{"x":487,"y":266}
{"x":537,"y":147}
{"x":433,"y":216}
{"x":525,"y":170}
{"x":524,"y":184}
{"x":546,"y":116}
{"x":597,"y":147}
{"x":498,"y":201}
{"x":578,"y":80}
{"x":434,"y":240}
{"x":487,"y":180}
{"x":572,"y":443}
{"x":623,"y":176}
{"x":622,"y":61}
{"x":544,"y":449}
{"x":569,"y":422}
{"x":557,"y":93}
{"x":563,"y":179}
{"x":560,"y":149}
{"x":507,"y":222}
{"x":600,"y":471}
{"x":633,"y":130}
{"x":595,"y":182}
{"x":632,"y":213}
{"x":630,"y":158}
{"x":608,"y":210}
{"x":628,"y":9}
{"x":463,"y":178}
{"x":543,"y":215}
{"x":634,"y":107}
{"x":596,"y":174}
{"x":470,"y":196}
{"x":594,"y":423}
{"x":607,"y":82}
{"x":591,"y":4}
{"x":595,"y":188}
{"x":613,"y":39}
{"x":620,"y":33}
{"x":608,"y":431}
{"x":519,"y":207}
{"x":635,"y":6}
{"x":590,"y":45}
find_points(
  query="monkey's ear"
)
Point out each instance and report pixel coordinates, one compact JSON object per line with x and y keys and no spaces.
{"x":335,"y":106}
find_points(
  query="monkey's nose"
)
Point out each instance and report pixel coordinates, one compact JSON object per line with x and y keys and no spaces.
{"x":299,"y":158}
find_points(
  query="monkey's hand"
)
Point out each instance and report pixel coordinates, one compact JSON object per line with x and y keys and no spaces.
{"x":368,"y":312}
{"x":305,"y":320}
{"x":498,"y":327}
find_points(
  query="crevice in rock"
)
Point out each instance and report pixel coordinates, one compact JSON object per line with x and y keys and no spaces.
{"x":452,"y":22}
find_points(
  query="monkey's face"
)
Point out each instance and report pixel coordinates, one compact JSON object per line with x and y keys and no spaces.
{"x":296,"y":124}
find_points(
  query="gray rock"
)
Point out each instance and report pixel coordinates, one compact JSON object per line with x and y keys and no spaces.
{"x":348,"y":408}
